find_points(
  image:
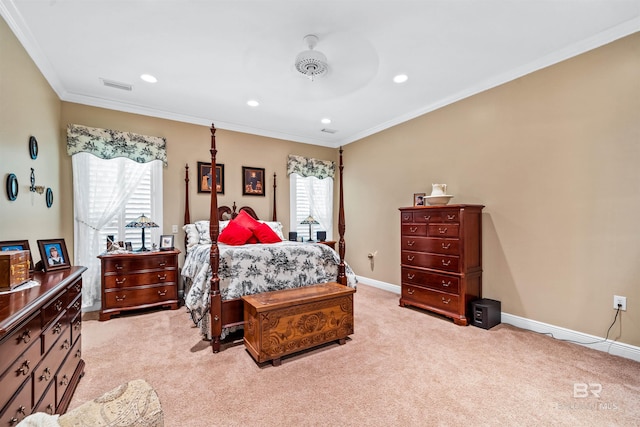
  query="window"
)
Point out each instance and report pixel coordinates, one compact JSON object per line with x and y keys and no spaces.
{"x":311,"y":196}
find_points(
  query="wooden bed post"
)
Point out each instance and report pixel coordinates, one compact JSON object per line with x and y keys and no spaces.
{"x":342,"y":278}
{"x":187,"y":214}
{"x":273,"y":218}
{"x":214,"y":259}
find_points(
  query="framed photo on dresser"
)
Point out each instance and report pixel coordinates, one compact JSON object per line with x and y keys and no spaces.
{"x":53,"y":253}
{"x":418,"y":199}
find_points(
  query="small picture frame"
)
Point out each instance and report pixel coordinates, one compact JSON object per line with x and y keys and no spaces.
{"x":166,"y":242}
{"x":204,"y":178}
{"x":252,"y":181}
{"x":53,"y":253}
{"x":128,"y":246}
{"x":418,"y":199}
{"x":17,"y":245}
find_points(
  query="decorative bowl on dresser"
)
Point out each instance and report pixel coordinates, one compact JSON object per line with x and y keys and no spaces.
{"x":138,"y":280}
{"x":40,"y":345}
{"x":441,"y":259}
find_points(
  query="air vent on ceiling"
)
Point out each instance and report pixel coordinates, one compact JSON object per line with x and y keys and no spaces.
{"x":327,"y":130}
{"x":116,"y":85}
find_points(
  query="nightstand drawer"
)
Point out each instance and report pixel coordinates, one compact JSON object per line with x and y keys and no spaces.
{"x":140,"y":279}
{"x":132,"y":263}
{"x":140,"y":297}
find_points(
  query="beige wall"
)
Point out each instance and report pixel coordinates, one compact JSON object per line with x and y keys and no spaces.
{"x":28,"y":106}
{"x":190,"y":144}
{"x":555,"y":158}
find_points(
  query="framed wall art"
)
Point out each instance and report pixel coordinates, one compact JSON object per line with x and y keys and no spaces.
{"x":53,"y":253}
{"x":204,"y":178}
{"x":17,"y":245}
{"x":252,"y":181}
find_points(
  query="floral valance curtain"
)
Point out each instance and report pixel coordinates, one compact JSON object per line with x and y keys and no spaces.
{"x":305,"y":166}
{"x":109,"y":144}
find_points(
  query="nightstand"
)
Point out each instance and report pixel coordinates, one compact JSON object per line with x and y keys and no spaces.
{"x":138,"y":280}
{"x":330,"y":243}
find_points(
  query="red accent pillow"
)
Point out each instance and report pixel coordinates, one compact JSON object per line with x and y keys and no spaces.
{"x":235,"y":234}
{"x":246,"y":220}
{"x":265,"y":234}
{"x":252,"y":239}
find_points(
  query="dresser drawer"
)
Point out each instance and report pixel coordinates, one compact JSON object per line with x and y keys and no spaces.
{"x":65,"y":374}
{"x":45,"y":373}
{"x":140,"y":297}
{"x":57,"y":329}
{"x":74,"y":290}
{"x":18,"y":408}
{"x":440,"y":282}
{"x":19,"y":372}
{"x":427,"y":260}
{"x":18,"y":341}
{"x":414,"y":229}
{"x":47,"y":403}
{"x":432,"y":298}
{"x":443,"y":230}
{"x":131,"y":264}
{"x":430,"y":244}
{"x":140,"y":279}
{"x":54,"y":308}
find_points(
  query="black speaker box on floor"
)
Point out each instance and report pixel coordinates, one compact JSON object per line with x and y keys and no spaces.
{"x":485,"y":313}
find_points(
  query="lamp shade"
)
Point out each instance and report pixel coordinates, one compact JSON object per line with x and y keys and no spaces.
{"x":309,"y":220}
{"x":142,"y":222}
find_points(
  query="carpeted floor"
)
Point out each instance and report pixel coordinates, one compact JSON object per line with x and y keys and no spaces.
{"x":401,"y":367}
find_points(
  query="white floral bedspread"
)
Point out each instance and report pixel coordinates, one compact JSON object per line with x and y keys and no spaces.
{"x":251,"y":269}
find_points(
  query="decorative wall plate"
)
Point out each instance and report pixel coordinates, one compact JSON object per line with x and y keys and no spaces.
{"x":49,"y":197}
{"x":12,"y":187}
{"x":33,"y":147}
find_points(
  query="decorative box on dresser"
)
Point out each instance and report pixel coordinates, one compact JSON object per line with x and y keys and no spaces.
{"x":441,"y":258}
{"x":40,"y":345}
{"x":138,"y":280}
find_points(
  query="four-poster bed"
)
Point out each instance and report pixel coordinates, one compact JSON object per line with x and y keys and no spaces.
{"x":218,"y":275}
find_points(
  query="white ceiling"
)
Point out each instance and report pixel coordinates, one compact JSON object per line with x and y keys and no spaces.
{"x":211,"y":56}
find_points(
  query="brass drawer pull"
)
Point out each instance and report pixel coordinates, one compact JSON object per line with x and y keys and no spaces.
{"x":119,"y":267}
{"x":410,"y":291}
{"x":163,"y":263}
{"x":13,"y":421}
{"x":446,"y":262}
{"x":77,"y":325}
{"x":46,"y":375}
{"x":58,"y":306}
{"x":446,"y":301}
{"x":442,"y":230}
{"x":411,"y":243}
{"x":162,"y":292}
{"x":413,"y":229}
{"x":163,"y":277}
{"x":26,"y":336}
{"x":22,"y":410}
{"x":49,"y":409}
{"x":78,"y":353}
{"x":406,"y":217}
{"x":446,"y":245}
{"x":64,"y":380}
{"x":427,"y":217}
{"x":65,"y":345}
{"x":120,"y":298}
{"x":447,"y":284}
{"x":121,"y":281}
{"x":451,"y":217}
{"x":410,"y":257}
{"x":24,"y":369}
{"x":76,"y":305}
{"x":410,"y":276}
{"x":57,"y":329}
{"x":77,"y":287}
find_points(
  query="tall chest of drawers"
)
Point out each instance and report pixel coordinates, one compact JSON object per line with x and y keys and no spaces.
{"x":441,"y":258}
{"x":40,"y":345}
{"x":138,"y":280}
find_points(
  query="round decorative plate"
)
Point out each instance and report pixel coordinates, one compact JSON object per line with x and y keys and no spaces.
{"x":49,"y":197}
{"x":33,"y":147}
{"x":12,"y":187}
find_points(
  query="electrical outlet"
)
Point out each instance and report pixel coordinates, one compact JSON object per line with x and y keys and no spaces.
{"x":174,"y":228}
{"x":620,"y":301}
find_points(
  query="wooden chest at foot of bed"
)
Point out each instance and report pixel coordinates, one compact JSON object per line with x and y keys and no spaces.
{"x":283,"y":322}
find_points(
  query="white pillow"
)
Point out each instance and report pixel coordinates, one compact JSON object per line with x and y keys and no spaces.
{"x":203,"y":230}
{"x":276,"y":226}
{"x":192,"y":235}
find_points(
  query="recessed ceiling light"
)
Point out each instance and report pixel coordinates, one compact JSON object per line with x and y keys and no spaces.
{"x":148,"y":78}
{"x":326,"y":121}
{"x":400,"y":78}
{"x":252,"y":103}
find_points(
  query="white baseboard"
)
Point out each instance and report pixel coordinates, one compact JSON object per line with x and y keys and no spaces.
{"x":612,"y":347}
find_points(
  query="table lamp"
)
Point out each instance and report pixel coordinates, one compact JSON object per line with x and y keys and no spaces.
{"x":142,"y":222}
{"x":309,"y":220}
